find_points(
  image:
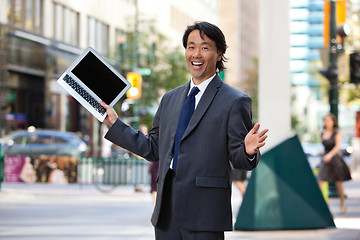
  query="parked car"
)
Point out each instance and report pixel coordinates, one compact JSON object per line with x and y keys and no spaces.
{"x":43,"y":142}
{"x":313,"y":149}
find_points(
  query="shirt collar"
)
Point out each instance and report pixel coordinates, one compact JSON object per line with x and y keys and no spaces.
{"x":202,"y":86}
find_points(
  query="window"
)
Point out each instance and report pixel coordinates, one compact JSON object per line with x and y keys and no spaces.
{"x":66,"y":24}
{"x":26,"y":14}
{"x":18,"y":141}
{"x":98,"y":35}
{"x":58,"y":140}
{"x":32,"y":139}
{"x":58,"y":25}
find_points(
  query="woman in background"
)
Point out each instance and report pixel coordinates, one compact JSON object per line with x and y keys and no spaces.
{"x":333,"y":167}
{"x":239,"y":178}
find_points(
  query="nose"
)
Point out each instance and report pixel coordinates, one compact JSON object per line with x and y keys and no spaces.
{"x":197,"y":52}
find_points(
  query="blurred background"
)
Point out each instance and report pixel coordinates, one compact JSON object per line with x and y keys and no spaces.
{"x":40,"y":38}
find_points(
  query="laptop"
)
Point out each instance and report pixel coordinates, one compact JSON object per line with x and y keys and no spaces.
{"x":90,"y":79}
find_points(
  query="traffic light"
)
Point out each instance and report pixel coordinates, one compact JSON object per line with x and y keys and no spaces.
{"x":355,"y":68}
{"x":135,"y":79}
{"x":330,"y":73}
{"x":340,"y":18}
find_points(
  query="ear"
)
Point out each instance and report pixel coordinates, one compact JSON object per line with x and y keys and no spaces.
{"x":219,"y":55}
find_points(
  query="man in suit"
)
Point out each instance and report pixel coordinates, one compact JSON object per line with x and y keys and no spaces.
{"x":194,"y":183}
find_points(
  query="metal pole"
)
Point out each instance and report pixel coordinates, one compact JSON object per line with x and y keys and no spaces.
{"x":3,"y":82}
{"x":333,"y":92}
{"x":136,"y":62}
{"x":136,"y":38}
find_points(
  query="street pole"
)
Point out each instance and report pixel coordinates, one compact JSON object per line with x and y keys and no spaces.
{"x":333,"y":76}
{"x":136,"y":39}
{"x":3,"y":83}
{"x":136,"y":62}
{"x":333,"y":93}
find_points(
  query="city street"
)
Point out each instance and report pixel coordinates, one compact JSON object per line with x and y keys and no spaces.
{"x":51,"y":212}
{"x":269,"y":78}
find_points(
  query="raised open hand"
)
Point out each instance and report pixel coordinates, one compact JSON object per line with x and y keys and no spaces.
{"x":254,"y":140}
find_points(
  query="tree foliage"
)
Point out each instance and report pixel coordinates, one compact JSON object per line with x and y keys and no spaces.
{"x":250,"y":84}
{"x":167,"y":64}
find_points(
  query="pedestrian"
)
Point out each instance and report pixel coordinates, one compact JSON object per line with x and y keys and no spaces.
{"x":239,"y":178}
{"x":27,"y":173}
{"x":333,"y":168}
{"x":198,"y":128}
{"x":139,"y":187}
{"x":106,"y":145}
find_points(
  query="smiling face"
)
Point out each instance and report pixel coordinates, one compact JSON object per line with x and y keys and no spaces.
{"x":201,"y":56}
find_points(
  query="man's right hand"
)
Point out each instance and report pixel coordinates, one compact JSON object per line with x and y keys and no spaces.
{"x":111,"y":114}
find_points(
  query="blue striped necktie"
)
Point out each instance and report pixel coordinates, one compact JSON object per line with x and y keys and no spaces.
{"x":185,"y":116}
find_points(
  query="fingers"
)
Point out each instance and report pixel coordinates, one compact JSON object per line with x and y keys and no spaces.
{"x":255,"y":128}
{"x":111,"y":114}
{"x":102,"y":103}
{"x":260,"y":145}
{"x":262,"y":138}
{"x":263,"y":132}
{"x":254,"y":140}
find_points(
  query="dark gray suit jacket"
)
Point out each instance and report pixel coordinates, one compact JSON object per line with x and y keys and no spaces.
{"x":215,"y":135}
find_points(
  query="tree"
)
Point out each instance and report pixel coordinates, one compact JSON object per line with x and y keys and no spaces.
{"x":168,"y":66}
{"x":251,"y":83}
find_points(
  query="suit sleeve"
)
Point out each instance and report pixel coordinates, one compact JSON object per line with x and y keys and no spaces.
{"x":135,"y":141}
{"x":240,"y":123}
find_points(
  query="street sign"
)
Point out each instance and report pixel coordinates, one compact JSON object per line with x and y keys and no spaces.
{"x":145,"y":71}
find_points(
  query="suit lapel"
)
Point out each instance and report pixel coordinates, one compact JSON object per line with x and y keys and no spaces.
{"x":204,"y":104}
{"x":181,"y":95}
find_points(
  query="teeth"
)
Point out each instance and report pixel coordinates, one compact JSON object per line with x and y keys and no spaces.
{"x":196,"y":63}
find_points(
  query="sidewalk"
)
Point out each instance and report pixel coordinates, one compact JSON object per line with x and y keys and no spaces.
{"x":42,"y":211}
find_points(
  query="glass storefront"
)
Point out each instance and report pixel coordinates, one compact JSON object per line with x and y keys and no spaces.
{"x":23,"y":81}
{"x":30,"y":70}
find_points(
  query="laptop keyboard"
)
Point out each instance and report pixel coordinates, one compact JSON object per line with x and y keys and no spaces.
{"x":84,"y":94}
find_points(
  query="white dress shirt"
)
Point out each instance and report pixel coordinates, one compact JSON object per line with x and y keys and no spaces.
{"x":202,"y":87}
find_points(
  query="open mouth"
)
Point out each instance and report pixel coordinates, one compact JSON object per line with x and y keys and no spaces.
{"x":196,"y":64}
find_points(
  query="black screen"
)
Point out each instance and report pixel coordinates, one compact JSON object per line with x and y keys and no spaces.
{"x":99,"y":78}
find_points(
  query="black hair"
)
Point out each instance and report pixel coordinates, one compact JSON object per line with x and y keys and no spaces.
{"x":212,"y":32}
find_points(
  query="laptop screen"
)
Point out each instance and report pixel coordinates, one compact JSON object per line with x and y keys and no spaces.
{"x":99,"y":78}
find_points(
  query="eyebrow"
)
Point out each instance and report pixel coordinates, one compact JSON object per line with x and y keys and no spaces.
{"x":202,"y":43}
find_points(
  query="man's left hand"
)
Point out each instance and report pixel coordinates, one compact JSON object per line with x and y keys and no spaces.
{"x":254,"y":140}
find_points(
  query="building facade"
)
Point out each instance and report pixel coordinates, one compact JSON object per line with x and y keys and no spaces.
{"x":239,"y":21}
{"x":306,"y":43}
{"x":306,"y":40}
{"x":172,"y":16}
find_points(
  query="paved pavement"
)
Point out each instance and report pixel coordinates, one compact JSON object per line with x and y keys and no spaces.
{"x":54,"y":212}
